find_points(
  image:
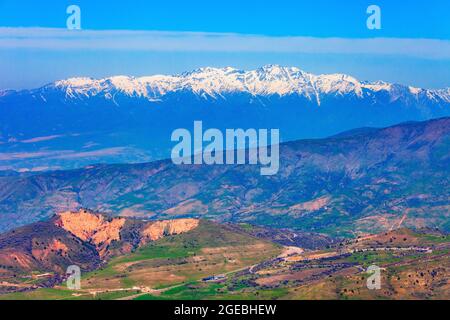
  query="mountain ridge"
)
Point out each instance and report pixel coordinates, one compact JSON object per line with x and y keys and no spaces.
{"x":361,"y":183}
{"x":265,"y":81}
{"x":72,"y":124}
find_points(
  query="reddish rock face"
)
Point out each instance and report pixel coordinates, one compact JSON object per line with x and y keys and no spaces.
{"x":91,"y":227}
{"x":159,"y":229}
{"x":100,"y":231}
{"x":82,"y":238}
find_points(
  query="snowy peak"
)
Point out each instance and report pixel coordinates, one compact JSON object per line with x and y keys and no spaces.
{"x":268,"y":80}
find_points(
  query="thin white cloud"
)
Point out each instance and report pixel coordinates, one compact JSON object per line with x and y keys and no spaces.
{"x":95,"y":153}
{"x":62,"y":154}
{"x":41,"y":139}
{"x":128,"y":40}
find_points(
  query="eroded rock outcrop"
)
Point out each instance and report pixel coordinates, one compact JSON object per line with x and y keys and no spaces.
{"x":92,"y":227}
{"x":42,"y":253}
{"x":159,"y":229}
{"x":101,"y":231}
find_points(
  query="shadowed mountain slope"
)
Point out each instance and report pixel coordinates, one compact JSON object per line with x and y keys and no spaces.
{"x":367,"y":182}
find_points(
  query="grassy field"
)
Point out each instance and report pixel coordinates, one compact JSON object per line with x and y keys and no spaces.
{"x":216,"y":291}
{"x":175,"y":260}
{"x":207,"y":250}
{"x":413,"y":266}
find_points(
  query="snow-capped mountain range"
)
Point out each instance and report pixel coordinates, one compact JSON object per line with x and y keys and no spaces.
{"x":217,"y":83}
{"x":80,"y":121}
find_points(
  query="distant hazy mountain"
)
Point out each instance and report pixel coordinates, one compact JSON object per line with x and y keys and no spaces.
{"x":75,"y":122}
{"x":368,"y":180}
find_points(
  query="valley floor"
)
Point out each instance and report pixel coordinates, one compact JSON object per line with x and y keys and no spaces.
{"x":413,"y":266}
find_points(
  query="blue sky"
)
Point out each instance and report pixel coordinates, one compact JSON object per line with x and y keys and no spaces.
{"x":281,"y":32}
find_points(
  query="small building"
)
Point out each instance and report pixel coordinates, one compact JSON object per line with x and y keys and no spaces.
{"x":214,"y":278}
